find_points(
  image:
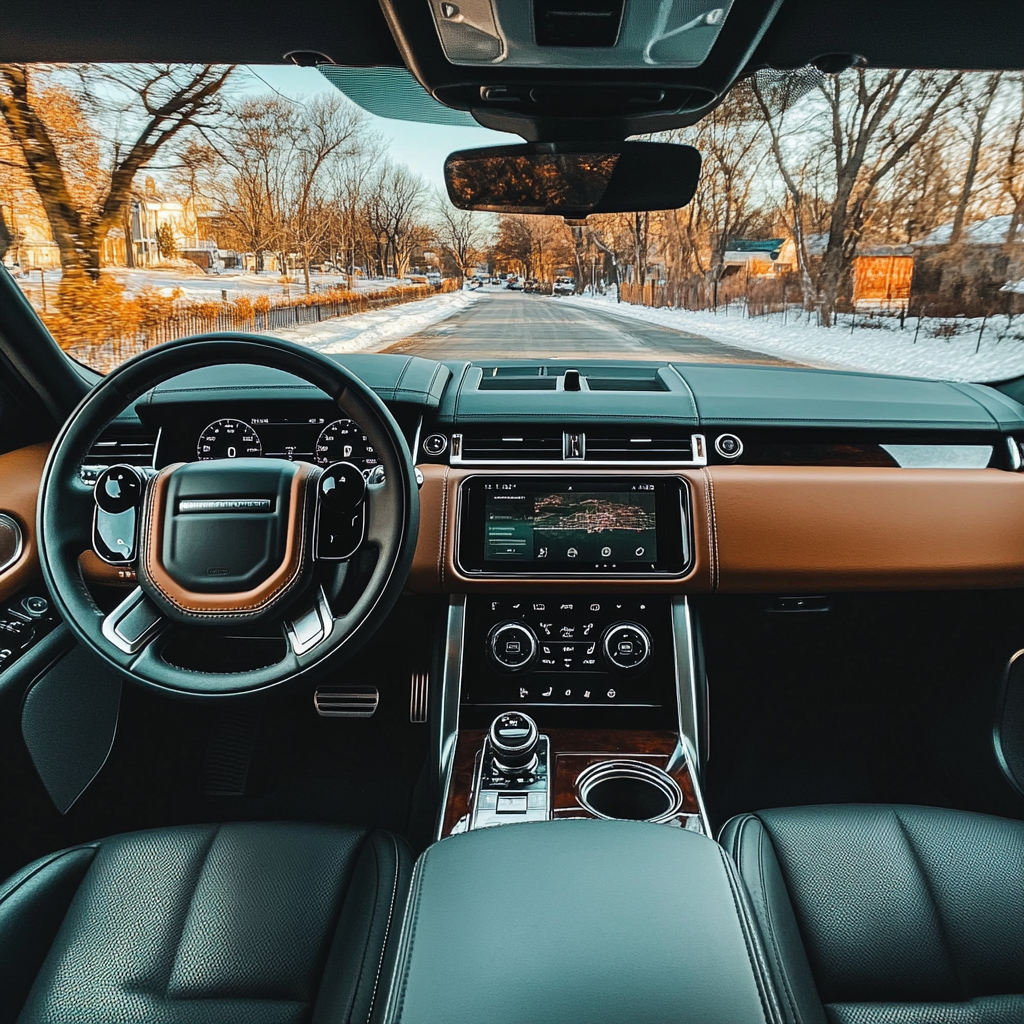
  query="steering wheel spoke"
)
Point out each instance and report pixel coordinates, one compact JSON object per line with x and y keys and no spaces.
{"x":134,"y":624}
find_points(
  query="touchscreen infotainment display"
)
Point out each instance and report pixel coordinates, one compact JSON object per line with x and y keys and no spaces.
{"x":585,"y":527}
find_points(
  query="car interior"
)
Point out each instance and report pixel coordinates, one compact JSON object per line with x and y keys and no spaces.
{"x":380,"y":733}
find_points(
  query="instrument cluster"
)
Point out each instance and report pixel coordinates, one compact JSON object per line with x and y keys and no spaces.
{"x":311,"y":440}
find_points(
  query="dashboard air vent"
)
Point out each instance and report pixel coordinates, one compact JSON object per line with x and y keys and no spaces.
{"x":119,"y":445}
{"x":509,"y":445}
{"x":639,"y":447}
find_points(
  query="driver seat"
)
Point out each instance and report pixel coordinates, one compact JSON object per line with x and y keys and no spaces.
{"x":267,"y":923}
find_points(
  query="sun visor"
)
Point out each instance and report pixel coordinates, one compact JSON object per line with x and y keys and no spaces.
{"x":393,"y":93}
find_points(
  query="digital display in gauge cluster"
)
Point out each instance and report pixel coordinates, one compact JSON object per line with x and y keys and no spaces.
{"x":314,"y":440}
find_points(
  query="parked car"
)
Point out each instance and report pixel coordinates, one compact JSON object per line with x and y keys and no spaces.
{"x":513,"y":283}
{"x":564,"y":286}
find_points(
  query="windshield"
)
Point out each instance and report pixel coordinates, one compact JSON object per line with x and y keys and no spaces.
{"x":869,"y":220}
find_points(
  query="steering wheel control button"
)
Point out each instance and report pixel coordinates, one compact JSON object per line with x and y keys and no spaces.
{"x":35,"y":606}
{"x":341,"y":505}
{"x":133,"y":623}
{"x":118,"y":495}
{"x":513,"y":646}
{"x":627,"y":646}
{"x":435,"y":444}
{"x":729,"y":446}
{"x":117,"y":490}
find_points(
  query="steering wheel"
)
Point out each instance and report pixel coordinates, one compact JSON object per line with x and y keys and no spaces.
{"x":233,"y":544}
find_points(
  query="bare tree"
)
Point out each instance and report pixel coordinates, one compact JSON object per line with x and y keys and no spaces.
{"x":394,"y":212}
{"x":166,"y":99}
{"x":979,"y":104}
{"x":461,"y":233}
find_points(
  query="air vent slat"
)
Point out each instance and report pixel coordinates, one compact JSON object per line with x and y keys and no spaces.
{"x":512,"y":445}
{"x":135,"y":448}
{"x":623,"y":448}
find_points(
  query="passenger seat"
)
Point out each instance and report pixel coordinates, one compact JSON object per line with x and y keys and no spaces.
{"x":876,"y":914}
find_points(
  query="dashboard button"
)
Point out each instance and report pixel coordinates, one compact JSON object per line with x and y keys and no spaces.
{"x":435,"y":444}
{"x":729,"y":446}
{"x":35,"y":606}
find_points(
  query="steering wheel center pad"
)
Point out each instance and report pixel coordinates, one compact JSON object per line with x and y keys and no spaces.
{"x":227,"y":541}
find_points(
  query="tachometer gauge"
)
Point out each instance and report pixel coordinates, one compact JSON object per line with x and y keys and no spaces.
{"x":228,"y":439}
{"x":343,"y":440}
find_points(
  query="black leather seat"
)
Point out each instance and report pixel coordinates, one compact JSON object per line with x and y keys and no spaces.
{"x":274,"y":923}
{"x":888,"y":914}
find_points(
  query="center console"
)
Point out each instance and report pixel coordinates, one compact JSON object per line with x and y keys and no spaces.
{"x":572,"y":706}
{"x":579,"y":921}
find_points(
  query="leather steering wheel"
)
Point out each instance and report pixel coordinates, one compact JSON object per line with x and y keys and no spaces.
{"x":282,"y":534}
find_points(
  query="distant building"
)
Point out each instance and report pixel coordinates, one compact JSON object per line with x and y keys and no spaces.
{"x":758,"y":257}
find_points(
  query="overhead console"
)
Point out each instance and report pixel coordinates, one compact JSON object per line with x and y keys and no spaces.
{"x":578,"y":69}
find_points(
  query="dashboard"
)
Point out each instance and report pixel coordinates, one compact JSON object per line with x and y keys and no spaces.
{"x":661,"y":478}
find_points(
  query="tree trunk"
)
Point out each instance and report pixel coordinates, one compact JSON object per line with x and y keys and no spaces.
{"x":981,"y":113}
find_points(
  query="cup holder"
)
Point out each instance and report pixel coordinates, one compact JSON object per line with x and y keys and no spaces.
{"x":632,"y":790}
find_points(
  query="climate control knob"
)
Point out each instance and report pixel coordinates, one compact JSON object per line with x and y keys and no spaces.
{"x":512,"y":646}
{"x":626,"y":645}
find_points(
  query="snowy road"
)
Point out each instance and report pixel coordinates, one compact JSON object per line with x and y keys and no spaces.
{"x":513,"y":325}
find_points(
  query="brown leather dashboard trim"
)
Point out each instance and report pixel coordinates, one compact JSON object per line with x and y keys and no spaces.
{"x":20,"y":473}
{"x":830,"y":528}
{"x":242,"y":602}
{"x":770,"y":529}
{"x":434,"y":568}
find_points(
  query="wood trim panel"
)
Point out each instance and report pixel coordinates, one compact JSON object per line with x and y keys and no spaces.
{"x":852,"y":528}
{"x":434,"y":569}
{"x":20,"y":473}
{"x":572,"y":751}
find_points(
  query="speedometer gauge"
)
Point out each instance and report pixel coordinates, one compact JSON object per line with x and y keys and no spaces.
{"x":343,"y":440}
{"x":228,"y":439}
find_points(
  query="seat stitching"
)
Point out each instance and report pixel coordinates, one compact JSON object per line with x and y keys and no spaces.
{"x":49,"y":862}
{"x":421,"y":870}
{"x":779,"y":959}
{"x":752,"y":958}
{"x":387,"y":929}
{"x":931,"y":895}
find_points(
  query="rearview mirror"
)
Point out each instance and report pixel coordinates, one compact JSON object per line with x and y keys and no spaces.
{"x":573,"y":179}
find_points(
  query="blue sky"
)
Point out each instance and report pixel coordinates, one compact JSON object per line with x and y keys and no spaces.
{"x":422,"y":147}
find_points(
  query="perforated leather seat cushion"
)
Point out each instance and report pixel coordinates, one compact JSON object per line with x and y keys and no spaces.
{"x":273,"y":923}
{"x":888,"y":914}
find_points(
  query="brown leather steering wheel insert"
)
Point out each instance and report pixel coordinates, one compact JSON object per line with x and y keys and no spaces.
{"x":227,"y":541}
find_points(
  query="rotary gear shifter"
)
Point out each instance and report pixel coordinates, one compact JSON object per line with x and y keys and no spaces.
{"x":514,"y":738}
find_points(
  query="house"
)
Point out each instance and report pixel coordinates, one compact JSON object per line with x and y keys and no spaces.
{"x":757,"y":257}
{"x":32,"y":245}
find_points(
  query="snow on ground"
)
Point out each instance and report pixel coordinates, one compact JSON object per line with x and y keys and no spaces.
{"x":874,"y":345}
{"x":362,"y":332}
{"x":208,"y":287}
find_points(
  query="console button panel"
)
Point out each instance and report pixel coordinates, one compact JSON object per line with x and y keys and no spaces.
{"x":568,"y":651}
{"x":24,"y":620}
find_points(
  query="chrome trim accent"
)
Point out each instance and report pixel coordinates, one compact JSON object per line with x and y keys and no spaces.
{"x":346,"y":701}
{"x":19,"y":540}
{"x":419,"y":697}
{"x":440,"y":451}
{"x":1013,"y":449}
{"x":449,"y":697}
{"x":626,"y":768}
{"x":322,"y":610}
{"x":688,"y":687}
{"x":111,"y":622}
{"x":697,"y":450}
{"x":225,"y":505}
{"x":725,"y":455}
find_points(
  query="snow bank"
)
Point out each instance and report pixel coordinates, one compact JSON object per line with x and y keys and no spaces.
{"x":874,"y":345}
{"x":363,"y":332}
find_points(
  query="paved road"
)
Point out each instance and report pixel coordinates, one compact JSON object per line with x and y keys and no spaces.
{"x":514,"y":326}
